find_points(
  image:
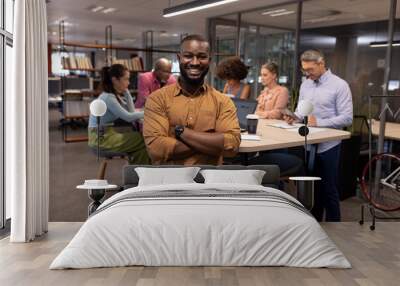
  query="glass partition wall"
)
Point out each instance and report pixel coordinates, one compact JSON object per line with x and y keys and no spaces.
{"x":257,"y":36}
{"x":353,"y":40}
{"x":345,"y":30}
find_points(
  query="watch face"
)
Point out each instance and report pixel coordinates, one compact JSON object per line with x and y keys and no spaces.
{"x":178,"y":131}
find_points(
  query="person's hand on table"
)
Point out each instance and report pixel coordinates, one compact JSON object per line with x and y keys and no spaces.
{"x":288,"y":119}
{"x":312,"y":121}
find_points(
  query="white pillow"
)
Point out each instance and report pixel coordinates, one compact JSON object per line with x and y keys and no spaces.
{"x":166,"y":176}
{"x":248,"y":177}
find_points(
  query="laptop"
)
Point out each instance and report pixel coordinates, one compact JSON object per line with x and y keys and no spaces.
{"x":244,"y":107}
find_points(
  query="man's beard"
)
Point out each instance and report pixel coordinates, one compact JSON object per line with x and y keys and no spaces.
{"x":192,"y":81}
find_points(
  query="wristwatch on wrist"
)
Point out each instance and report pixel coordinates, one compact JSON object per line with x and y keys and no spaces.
{"x":178,"y":131}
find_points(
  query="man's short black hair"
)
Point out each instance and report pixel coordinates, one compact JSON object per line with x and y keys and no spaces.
{"x":194,"y":37}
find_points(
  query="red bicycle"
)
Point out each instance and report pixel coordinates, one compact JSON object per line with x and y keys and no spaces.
{"x":380,"y":184}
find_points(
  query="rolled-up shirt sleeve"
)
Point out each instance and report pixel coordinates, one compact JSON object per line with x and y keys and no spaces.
{"x":228,"y":124}
{"x":160,"y":145}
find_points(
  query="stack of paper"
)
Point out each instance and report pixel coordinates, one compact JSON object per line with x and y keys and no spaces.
{"x":285,"y":125}
{"x":251,"y":137}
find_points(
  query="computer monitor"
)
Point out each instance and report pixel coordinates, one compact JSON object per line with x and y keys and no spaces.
{"x":54,"y":86}
{"x":76,"y":83}
{"x":244,"y":107}
{"x":393,"y":85}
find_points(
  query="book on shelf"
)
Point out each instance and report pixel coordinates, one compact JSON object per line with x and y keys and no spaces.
{"x":73,"y":62}
{"x":133,"y":64}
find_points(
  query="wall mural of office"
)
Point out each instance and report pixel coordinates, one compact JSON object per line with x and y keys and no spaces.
{"x":343,"y":30}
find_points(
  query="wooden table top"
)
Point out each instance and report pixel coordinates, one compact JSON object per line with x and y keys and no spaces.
{"x":392,"y":130}
{"x":276,"y":138}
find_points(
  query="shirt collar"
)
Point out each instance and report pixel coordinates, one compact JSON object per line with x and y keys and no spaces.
{"x":155,"y":80}
{"x":324,"y":77}
{"x":179,"y":90}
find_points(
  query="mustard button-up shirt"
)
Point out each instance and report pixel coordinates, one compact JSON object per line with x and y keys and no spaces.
{"x":209,"y":111}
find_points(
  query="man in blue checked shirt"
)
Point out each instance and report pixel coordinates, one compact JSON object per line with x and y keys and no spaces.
{"x":333,"y":108}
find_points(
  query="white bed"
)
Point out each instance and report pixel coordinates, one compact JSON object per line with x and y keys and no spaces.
{"x":222,"y":225}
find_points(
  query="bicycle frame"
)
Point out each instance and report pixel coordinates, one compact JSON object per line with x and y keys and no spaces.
{"x":389,"y":181}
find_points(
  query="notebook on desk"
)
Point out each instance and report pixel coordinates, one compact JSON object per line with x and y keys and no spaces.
{"x":244,"y":107}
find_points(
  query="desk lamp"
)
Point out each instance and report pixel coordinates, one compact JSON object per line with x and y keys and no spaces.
{"x":98,"y":108}
{"x":305,"y":108}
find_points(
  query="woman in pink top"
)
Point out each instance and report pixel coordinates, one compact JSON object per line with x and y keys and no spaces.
{"x":274,"y":98}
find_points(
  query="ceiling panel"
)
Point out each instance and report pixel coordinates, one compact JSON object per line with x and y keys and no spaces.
{"x":133,"y":17}
{"x":322,"y":13}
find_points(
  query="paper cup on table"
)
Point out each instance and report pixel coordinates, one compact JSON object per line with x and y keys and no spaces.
{"x":252,"y":122}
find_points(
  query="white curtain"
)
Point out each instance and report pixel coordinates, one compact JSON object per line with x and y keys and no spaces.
{"x":27,"y":140}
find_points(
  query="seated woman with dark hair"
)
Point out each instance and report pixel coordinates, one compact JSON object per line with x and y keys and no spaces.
{"x":233,"y":70}
{"x":274,"y":98}
{"x":115,"y":82}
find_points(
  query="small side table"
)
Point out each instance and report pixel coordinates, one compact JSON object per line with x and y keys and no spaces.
{"x":96,"y":194}
{"x":305,"y":190}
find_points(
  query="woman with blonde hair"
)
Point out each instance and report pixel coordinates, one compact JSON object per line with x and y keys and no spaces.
{"x":274,"y":98}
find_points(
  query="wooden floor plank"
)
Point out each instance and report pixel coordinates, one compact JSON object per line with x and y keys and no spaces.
{"x":374,"y":255}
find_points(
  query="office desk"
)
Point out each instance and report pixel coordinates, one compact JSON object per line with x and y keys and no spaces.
{"x":276,"y":138}
{"x":392,"y":130}
{"x":273,"y":138}
{"x":392,"y":133}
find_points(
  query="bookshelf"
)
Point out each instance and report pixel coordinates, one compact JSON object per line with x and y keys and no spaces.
{"x":75,"y":110}
{"x":81,"y":69}
{"x":80,"y":63}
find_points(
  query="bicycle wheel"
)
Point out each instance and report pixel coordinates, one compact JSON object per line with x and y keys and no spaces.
{"x":380,"y":182}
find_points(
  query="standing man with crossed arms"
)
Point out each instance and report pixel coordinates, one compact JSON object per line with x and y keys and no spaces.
{"x":190,"y":122}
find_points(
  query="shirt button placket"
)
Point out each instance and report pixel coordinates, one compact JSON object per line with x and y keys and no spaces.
{"x":191,"y":112}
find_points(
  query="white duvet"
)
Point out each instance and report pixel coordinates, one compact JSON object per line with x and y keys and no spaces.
{"x":188,"y":231}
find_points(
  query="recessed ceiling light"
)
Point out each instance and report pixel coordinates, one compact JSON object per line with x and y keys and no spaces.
{"x":193,"y":6}
{"x":273,"y":11}
{"x":109,"y":10}
{"x":384,"y":44}
{"x":129,"y":40}
{"x":97,"y":8}
{"x":282,"y":13}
